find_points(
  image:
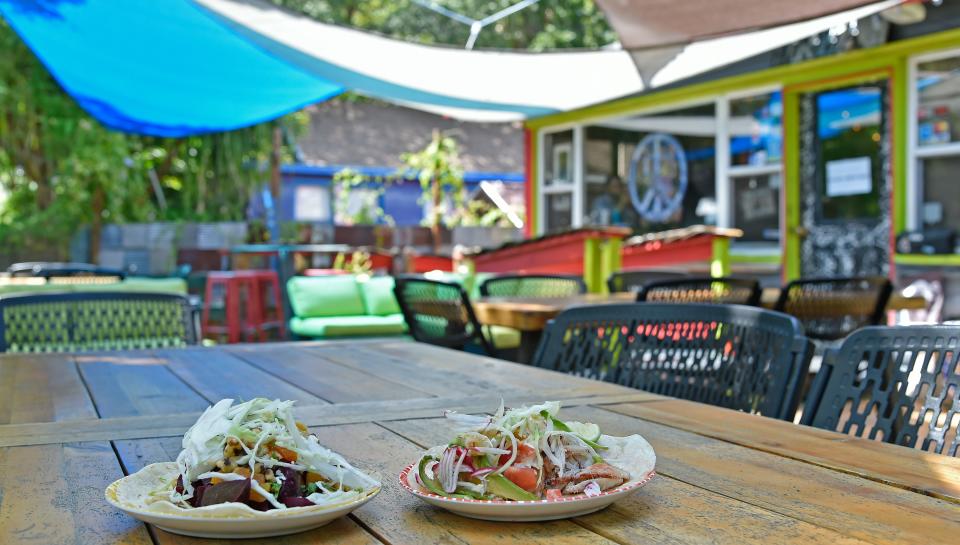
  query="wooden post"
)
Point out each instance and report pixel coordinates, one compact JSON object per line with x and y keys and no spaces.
{"x":720,"y":265}
{"x":612,"y":260}
{"x":591,"y":264}
{"x":437,"y":197}
{"x":275,"y":164}
{"x":97,"y":204}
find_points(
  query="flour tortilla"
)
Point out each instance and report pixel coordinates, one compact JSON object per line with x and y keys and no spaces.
{"x":147,"y":490}
{"x":632,"y":454}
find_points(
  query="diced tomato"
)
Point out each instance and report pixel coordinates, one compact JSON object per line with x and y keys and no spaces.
{"x":523,"y":451}
{"x":524,"y":477}
{"x":553,"y":493}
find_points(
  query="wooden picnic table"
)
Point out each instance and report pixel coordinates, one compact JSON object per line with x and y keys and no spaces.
{"x":530,"y":315}
{"x":71,"y":424}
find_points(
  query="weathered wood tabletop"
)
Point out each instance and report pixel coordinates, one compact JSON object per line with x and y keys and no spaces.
{"x":71,"y":424}
{"x":532,"y":313}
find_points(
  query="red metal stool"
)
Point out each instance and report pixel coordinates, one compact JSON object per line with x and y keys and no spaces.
{"x":263,"y":316}
{"x":238,"y":288}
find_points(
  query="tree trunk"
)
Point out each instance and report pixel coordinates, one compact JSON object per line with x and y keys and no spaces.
{"x":275,"y":164}
{"x":96,"y":223}
{"x":435,"y":222}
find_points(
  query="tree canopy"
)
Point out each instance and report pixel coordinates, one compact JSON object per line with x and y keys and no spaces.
{"x":548,"y":24}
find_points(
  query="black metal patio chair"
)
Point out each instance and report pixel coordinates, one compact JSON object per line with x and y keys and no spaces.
{"x":533,"y":285}
{"x":623,"y":281}
{"x":440,"y":313}
{"x":705,"y":289}
{"x":85,"y":321}
{"x":731,"y":356}
{"x":895,"y":384}
{"x":832,"y":308}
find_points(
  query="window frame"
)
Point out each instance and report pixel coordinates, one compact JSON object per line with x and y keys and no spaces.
{"x":731,"y":171}
{"x":916,"y":152}
{"x":725,"y":171}
{"x":554,"y":189}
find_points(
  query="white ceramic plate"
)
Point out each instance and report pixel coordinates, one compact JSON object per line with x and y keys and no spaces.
{"x":233,"y":520}
{"x":524,"y":511}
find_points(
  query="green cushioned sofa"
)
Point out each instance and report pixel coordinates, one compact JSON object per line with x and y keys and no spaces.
{"x":344,"y":306}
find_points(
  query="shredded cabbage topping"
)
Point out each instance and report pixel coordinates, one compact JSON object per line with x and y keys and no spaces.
{"x":520,"y":454}
{"x":260,"y":441}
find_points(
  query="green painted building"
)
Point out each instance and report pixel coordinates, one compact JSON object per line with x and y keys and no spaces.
{"x":822,"y":152}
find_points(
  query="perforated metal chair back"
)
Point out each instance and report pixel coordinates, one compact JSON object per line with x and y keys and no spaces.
{"x":439,"y":313}
{"x":634,"y":281}
{"x":895,"y":384}
{"x":832,"y":308}
{"x":86,"y":321}
{"x":727,"y":291}
{"x":533,"y":285}
{"x":731,"y":356}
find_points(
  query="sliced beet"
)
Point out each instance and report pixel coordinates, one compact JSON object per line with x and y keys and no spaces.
{"x":198,"y":491}
{"x":294,"y":501}
{"x":290,"y":487}
{"x":260,"y":505}
{"x":179,"y":488}
{"x":226,"y":492}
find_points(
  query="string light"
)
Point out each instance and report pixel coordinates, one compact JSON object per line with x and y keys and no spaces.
{"x":476,"y":25}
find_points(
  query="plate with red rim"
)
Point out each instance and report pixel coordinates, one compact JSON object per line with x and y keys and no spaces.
{"x":524,"y":511}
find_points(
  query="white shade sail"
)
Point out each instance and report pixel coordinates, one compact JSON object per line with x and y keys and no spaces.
{"x":503,"y":85}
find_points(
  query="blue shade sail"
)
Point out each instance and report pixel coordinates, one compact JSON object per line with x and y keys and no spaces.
{"x":160,"y":67}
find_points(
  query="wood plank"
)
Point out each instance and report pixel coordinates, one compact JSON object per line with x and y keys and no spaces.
{"x":666,"y":510}
{"x":847,"y":504}
{"x":136,"y":383}
{"x":140,"y":427}
{"x":216,"y":374}
{"x":533,"y":313}
{"x":54,"y":494}
{"x":327,"y":380}
{"x":42,"y":388}
{"x":932,"y":474}
{"x":400,"y":518}
{"x":443,"y":371}
{"x":897,"y":301}
{"x":137,"y":454}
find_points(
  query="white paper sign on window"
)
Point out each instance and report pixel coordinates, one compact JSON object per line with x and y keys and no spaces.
{"x":849,"y":177}
{"x":311,"y":203}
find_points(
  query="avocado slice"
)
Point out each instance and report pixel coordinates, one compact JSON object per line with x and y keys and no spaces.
{"x":432,"y":484}
{"x":504,"y":487}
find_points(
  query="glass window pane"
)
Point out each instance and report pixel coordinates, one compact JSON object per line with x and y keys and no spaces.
{"x":850,"y":165}
{"x":756,"y":207}
{"x":940,"y":206}
{"x":558,"y":158}
{"x":756,"y":136}
{"x":938,"y":111}
{"x":669,"y":160}
{"x":559,"y":211}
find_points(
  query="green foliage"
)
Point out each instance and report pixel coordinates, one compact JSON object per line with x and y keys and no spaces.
{"x":60,"y":169}
{"x":549,"y":24}
{"x":480,"y":213}
{"x":438,"y":169}
{"x":360,"y":263}
{"x":366,"y":204}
